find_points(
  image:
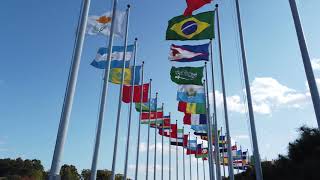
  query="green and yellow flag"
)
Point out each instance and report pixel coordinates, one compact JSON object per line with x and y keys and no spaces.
{"x":195,"y":27}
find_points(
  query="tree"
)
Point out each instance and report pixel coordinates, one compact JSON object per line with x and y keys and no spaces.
{"x":69,"y":172}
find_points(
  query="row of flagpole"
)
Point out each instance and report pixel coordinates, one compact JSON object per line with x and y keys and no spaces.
{"x":71,"y":85}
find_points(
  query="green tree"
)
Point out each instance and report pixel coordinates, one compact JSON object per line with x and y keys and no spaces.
{"x":69,"y":172}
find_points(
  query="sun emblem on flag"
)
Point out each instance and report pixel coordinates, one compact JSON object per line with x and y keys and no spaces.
{"x":204,"y":151}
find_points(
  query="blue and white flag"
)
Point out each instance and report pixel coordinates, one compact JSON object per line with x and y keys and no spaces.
{"x":191,"y":94}
{"x":192,"y":145}
{"x":200,"y":130}
{"x":189,"y":53}
{"x":116,"y":57}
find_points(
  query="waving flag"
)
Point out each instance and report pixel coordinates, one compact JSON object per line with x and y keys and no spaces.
{"x":101,"y":25}
{"x":195,"y":27}
{"x":153,"y":115}
{"x":172,"y":131}
{"x":200,"y":130}
{"x":178,"y":141}
{"x":191,"y":94}
{"x":145,"y":106}
{"x":187,"y":75}
{"x":116,"y":75}
{"x":192,"y":108}
{"x":201,"y":152}
{"x":127,"y":91}
{"x":165,"y":124}
{"x":193,"y":5}
{"x":101,"y":58}
{"x":194,"y":119}
{"x":188,"y":53}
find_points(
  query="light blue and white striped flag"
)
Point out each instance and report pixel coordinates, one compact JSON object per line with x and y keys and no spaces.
{"x":116,"y":58}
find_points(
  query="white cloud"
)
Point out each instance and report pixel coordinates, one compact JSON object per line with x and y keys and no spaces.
{"x":267,"y":94}
{"x":315,"y":62}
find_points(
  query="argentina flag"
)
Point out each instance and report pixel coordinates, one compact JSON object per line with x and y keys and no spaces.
{"x":100,"y":60}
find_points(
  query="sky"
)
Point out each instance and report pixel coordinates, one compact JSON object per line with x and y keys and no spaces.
{"x":37,"y":40}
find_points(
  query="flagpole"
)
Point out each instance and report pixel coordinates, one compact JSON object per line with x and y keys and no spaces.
{"x":70,"y":91}
{"x":148,"y":141}
{"x":211,"y":166}
{"x":162,"y":147}
{"x":170,"y":149}
{"x":190,"y":158}
{"x":306,"y":60}
{"x":177,"y":167}
{"x":223,"y":164}
{"x":197,"y":159}
{"x":155,"y":143}
{"x":139,"y":122}
{"x":231,"y":174}
{"x":204,"y":170}
{"x":130,"y":111}
{"x":115,"y":147}
{"x":184,"y":172}
{"x":256,"y":154}
{"x":215,"y":122}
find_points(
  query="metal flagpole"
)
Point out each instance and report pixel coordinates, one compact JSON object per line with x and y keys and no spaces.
{"x":170,"y":149}
{"x":139,"y":122}
{"x":148,"y":141}
{"x":70,"y":91}
{"x":155,"y":144}
{"x":130,"y":111}
{"x":162,"y":147}
{"x":184,"y":172}
{"x":103,"y":97}
{"x":190,"y":158}
{"x":241,"y":158}
{"x":223,"y":164}
{"x":306,"y":60}
{"x":197,"y":160}
{"x":249,"y":101}
{"x":231,"y":174}
{"x":177,"y":167}
{"x":204,"y":170}
{"x":215,"y":123}
{"x":115,"y":147}
{"x":211,"y":166}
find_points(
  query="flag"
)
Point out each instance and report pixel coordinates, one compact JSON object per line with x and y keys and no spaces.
{"x":192,"y":145}
{"x":172,"y":131}
{"x":153,"y":115}
{"x":191,"y":94}
{"x":178,"y":140}
{"x":200,"y":129}
{"x":101,"y":58}
{"x":187,"y":75}
{"x":194,"y":119}
{"x":116,"y":75}
{"x":195,"y":27}
{"x":192,"y":108}
{"x":189,"y":53}
{"x":201,"y":152}
{"x":165,"y":124}
{"x":127,"y":91}
{"x":193,"y":5}
{"x":101,"y":25}
{"x":145,"y":106}
{"x":189,"y":151}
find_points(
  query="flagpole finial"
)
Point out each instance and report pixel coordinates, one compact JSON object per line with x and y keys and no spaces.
{"x":217,"y":5}
{"x":142,"y":62}
{"x":136,"y":39}
{"x":205,"y":63}
{"x":128,"y":6}
{"x":150,"y":79}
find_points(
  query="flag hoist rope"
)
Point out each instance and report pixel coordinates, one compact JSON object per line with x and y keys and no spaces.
{"x":70,"y":91}
{"x":139,"y":122}
{"x":130,"y":110}
{"x":256,"y":154}
{"x":115,"y":147}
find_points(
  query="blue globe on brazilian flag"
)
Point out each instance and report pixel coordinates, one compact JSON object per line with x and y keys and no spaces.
{"x":195,"y":27}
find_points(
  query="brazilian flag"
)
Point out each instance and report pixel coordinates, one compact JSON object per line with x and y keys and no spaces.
{"x":195,"y":27}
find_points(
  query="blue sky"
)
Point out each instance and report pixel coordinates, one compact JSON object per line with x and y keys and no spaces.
{"x":36,"y":47}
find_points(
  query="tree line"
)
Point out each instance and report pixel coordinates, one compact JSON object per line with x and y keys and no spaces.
{"x":18,"y":169}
